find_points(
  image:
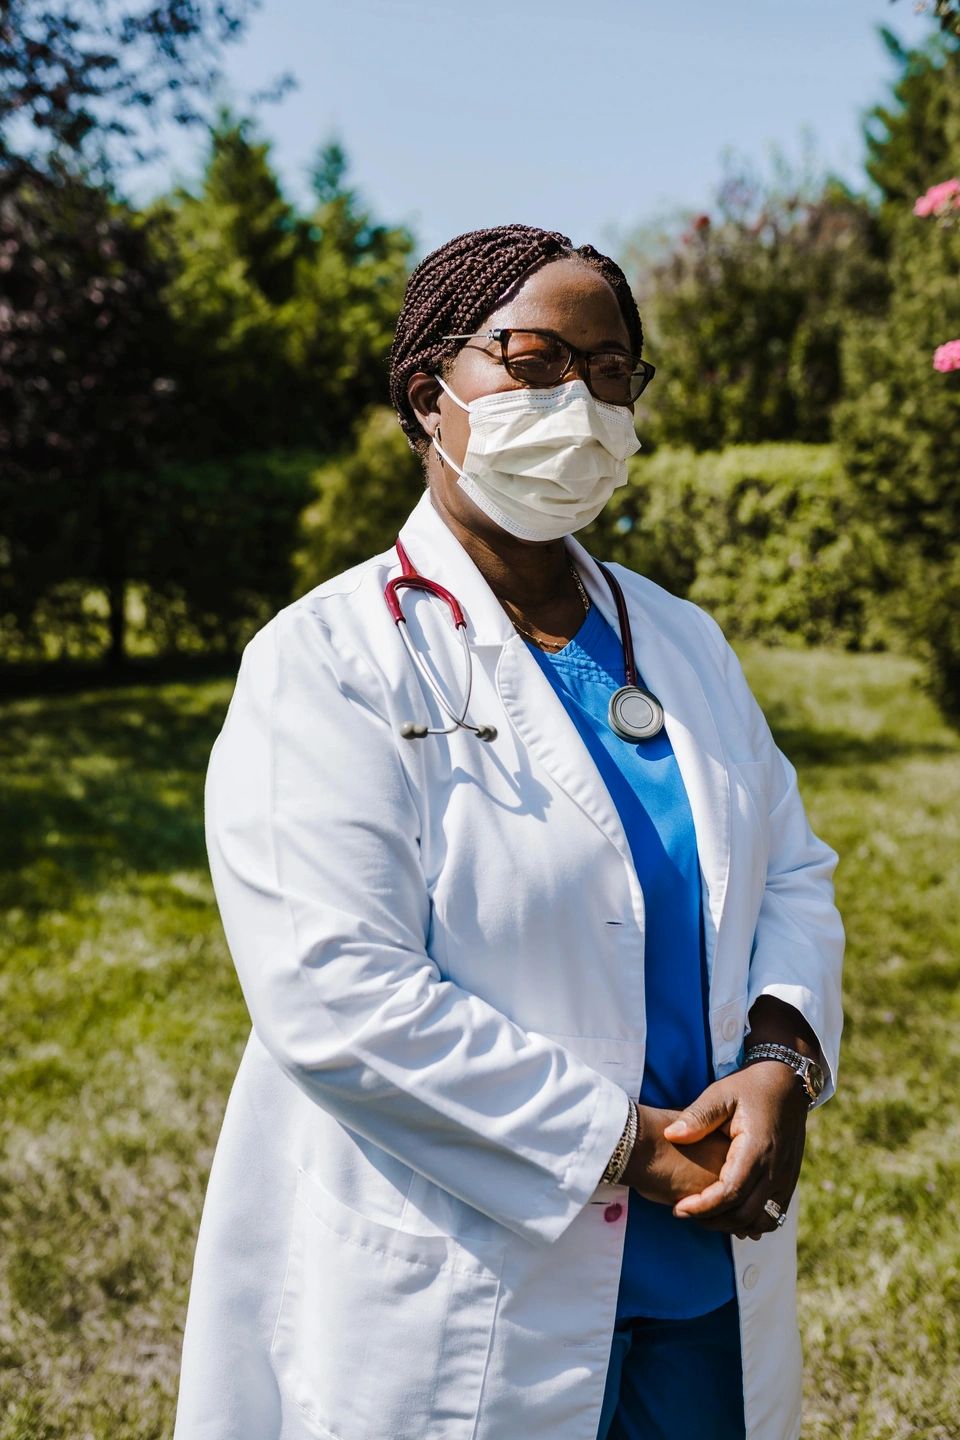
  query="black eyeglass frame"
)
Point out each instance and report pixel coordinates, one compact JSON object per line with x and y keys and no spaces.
{"x":502,"y":336}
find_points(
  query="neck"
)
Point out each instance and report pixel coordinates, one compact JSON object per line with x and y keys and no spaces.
{"x":525,"y":576}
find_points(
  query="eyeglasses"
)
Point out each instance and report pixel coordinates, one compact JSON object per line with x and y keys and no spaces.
{"x":541,"y":359}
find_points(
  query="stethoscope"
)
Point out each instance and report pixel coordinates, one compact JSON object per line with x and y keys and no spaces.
{"x":633,"y":713}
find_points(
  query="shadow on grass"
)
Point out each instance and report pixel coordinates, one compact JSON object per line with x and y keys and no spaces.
{"x":102,"y":784}
{"x":807,"y":746}
{"x":107,"y":785}
{"x":68,"y":677}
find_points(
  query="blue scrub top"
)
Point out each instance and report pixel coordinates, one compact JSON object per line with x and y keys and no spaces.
{"x":672,"y":1269}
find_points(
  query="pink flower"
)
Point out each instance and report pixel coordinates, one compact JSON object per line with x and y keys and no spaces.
{"x":939,"y":199}
{"x":947,"y":357}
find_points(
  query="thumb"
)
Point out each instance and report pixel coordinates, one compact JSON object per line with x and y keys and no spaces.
{"x":707,"y":1113}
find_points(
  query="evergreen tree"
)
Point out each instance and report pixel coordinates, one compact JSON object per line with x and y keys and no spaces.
{"x":916,"y":134}
{"x":230,"y":252}
{"x":284,"y":322}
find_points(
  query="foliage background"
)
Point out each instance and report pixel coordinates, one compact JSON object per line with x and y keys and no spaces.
{"x":193,"y":430}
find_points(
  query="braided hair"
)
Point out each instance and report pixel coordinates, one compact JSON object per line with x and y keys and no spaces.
{"x":456,"y":287}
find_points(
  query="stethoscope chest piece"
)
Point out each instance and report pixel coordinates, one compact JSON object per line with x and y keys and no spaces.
{"x":634,"y":713}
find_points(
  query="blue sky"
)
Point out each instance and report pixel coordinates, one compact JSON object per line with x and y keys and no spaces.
{"x":588,"y":116}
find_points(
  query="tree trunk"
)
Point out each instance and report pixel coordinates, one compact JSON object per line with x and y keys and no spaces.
{"x":117,"y":594}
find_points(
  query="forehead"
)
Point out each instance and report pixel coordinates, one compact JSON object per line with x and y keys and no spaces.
{"x":569,"y":297}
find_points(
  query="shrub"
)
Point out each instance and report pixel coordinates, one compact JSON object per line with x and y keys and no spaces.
{"x":362,"y":499}
{"x":766,"y":537}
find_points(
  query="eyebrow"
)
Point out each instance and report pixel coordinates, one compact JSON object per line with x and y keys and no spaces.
{"x":545,"y":330}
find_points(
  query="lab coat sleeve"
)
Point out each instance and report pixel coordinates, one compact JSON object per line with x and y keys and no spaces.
{"x":312,"y":835}
{"x":798,"y":944}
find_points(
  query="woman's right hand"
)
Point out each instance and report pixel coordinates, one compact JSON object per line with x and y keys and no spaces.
{"x":667,"y":1173}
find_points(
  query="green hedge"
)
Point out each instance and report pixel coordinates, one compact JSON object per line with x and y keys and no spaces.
{"x":766,"y":537}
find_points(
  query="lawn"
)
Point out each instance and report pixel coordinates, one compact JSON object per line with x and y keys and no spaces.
{"x":126,"y":1025}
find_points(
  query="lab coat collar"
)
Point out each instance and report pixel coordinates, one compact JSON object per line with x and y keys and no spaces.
{"x":538,"y":713}
{"x":437,"y":553}
{"x":666,"y":670}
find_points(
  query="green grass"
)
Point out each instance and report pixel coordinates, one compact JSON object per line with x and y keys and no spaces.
{"x":125,"y":1024}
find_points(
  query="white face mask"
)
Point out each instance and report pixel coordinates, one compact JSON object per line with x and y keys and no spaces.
{"x":543,"y":463}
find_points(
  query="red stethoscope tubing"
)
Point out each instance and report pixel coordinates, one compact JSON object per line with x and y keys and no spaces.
{"x":411,"y":580}
{"x":624,"y":717}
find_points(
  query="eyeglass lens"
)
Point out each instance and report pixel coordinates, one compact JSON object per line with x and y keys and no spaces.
{"x":541,"y":361}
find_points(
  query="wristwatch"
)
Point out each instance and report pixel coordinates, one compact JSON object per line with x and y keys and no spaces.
{"x":808,"y":1072}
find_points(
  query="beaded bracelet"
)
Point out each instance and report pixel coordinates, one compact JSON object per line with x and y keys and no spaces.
{"x":622,"y":1150}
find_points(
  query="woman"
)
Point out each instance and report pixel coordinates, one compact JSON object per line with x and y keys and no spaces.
{"x":469,"y":948}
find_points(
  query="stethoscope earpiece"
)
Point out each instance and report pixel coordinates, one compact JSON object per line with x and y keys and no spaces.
{"x":486,"y":732}
{"x":411,"y":731}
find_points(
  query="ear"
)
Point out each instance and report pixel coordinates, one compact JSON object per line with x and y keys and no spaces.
{"x":423,"y":392}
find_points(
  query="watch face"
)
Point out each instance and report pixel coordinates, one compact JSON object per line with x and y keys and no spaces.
{"x":814,"y":1078}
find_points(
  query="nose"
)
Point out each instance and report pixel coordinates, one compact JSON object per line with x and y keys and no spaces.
{"x":576,"y":370}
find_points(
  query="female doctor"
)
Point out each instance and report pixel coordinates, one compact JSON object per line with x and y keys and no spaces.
{"x":540,"y":952}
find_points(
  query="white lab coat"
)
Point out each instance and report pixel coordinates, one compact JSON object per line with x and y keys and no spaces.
{"x":440,"y":942}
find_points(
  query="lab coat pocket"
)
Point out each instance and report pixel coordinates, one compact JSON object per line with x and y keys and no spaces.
{"x":378,"y":1322}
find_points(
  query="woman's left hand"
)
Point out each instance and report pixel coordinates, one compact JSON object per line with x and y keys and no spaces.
{"x":764,"y":1111}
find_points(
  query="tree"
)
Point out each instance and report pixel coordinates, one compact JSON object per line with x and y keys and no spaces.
{"x":82,"y":336}
{"x":745,"y":312}
{"x":362,"y":500}
{"x":915,"y":135}
{"x":229,"y":252}
{"x":898,"y":426}
{"x":284,"y":320}
{"x":349,"y":287}
{"x":85,"y":74}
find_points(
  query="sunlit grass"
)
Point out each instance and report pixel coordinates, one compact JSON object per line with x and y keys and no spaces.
{"x":125,"y":1026}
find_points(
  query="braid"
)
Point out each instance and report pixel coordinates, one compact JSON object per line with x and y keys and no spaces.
{"x":456,"y":287}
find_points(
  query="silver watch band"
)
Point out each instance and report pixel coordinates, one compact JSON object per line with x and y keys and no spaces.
{"x":799,"y":1064}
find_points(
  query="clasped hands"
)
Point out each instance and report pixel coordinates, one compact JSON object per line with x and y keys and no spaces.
{"x":738,"y":1145}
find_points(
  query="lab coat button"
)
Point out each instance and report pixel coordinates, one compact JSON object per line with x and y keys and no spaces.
{"x":731,"y":1028}
{"x":750,"y":1277}
{"x":613,"y":1212}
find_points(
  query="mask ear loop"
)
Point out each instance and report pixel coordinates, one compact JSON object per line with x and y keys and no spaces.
{"x":444,"y":456}
{"x":435,"y":438}
{"x":455,"y":398}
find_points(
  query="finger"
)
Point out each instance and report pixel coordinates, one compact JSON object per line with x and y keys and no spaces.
{"x":750,"y":1218}
{"x":736,"y":1209}
{"x":742,"y":1170}
{"x":701,"y":1204}
{"x":707,"y":1113}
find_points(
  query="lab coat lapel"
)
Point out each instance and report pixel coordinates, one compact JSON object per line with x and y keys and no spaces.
{"x":437,"y":554}
{"x":541,"y":722}
{"x":689,"y":722}
{"x":538,"y":716}
{"x":532,"y":706}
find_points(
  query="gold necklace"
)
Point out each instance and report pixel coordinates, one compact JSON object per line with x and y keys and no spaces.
{"x":538,"y":640}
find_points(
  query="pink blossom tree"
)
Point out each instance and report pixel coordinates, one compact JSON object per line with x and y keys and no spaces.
{"x":942,"y":203}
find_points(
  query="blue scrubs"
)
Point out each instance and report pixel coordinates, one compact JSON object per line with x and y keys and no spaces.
{"x":673,"y":1271}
